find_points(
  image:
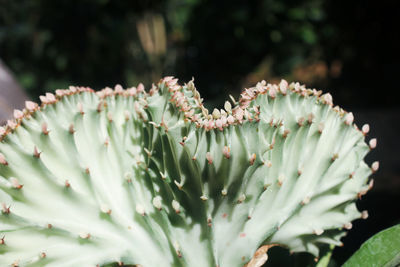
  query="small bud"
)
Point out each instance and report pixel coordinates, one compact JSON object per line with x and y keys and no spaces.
{"x":228,"y":107}
{"x":305,"y":201}
{"x":318,"y":231}
{"x":241,"y":198}
{"x":226,"y":151}
{"x":71,"y":129}
{"x":36,"y":153}
{"x":3,"y":160}
{"x":15,"y":183}
{"x":140,"y":209}
{"x":45,"y":131}
{"x":300,"y":121}
{"x":348,"y":119}
{"x":364,"y":214}
{"x":18,"y":114}
{"x":176,"y":206}
{"x":281,"y":178}
{"x":321,"y":127}
{"x":348,"y":226}
{"x":253,"y":158}
{"x":224,"y":192}
{"x":157,"y":202}
{"x":179,"y":185}
{"x":204,"y":197}
{"x":80,"y":108}
{"x":209,"y":158}
{"x":283,"y":86}
{"x":216,"y":114}
{"x":375,"y":166}
{"x":109,"y":116}
{"x":365,"y":129}
{"x":30,"y":106}
{"x":84,"y":235}
{"x":105,"y":209}
{"x":372,"y":143}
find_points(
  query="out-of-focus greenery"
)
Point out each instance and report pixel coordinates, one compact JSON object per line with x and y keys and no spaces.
{"x":346,"y":46}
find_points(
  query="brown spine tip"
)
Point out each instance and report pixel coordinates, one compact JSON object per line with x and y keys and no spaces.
{"x":253,"y":158}
{"x":45,"y":131}
{"x":3,"y":160}
{"x":36,"y":153}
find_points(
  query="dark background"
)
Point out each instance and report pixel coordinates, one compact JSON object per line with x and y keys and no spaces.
{"x":349,"y":48}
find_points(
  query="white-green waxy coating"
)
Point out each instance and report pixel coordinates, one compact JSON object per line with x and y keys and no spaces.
{"x":151,"y":178}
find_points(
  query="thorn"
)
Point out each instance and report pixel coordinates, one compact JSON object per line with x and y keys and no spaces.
{"x":226,"y":151}
{"x":311,"y":117}
{"x":109,"y":116}
{"x":364,"y":214}
{"x":265,"y":187}
{"x":5,"y":209}
{"x":176,"y":206}
{"x":305,"y":201}
{"x":321,"y":127}
{"x":107,"y":141}
{"x":228,"y":106}
{"x":179,"y":185}
{"x":31,"y":106}
{"x":283,"y":86}
{"x":318,"y":231}
{"x":87,"y":171}
{"x":163,"y":176}
{"x":49,"y":226}
{"x":80,"y":108}
{"x":365,"y":129}
{"x":348,"y":119}
{"x":281,"y":178}
{"x":372,"y":143}
{"x":241,"y":198}
{"x":42,"y":255}
{"x":204,"y":198}
{"x":99,"y":106}
{"x":300,"y":121}
{"x":126,"y":115}
{"x":285,"y":133}
{"x":140,"y":209}
{"x":128,"y":176}
{"x":2,"y":242}
{"x":209,"y":158}
{"x":18,"y":114}
{"x":67,"y":184}
{"x":348,"y":226}
{"x":3,"y":160}
{"x":252,"y":158}
{"x":36,"y":153}
{"x":15,"y":183}
{"x":45,"y":131}
{"x":224,"y":192}
{"x":71,"y":129}
{"x":105,"y":209}
{"x":267,"y":163}
{"x":335,"y":156}
{"x":84,"y":235}
{"x":351,"y":175}
{"x":157,"y":202}
{"x":375,"y":166}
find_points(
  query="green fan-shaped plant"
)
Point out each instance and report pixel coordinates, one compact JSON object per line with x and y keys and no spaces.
{"x":152,"y":178}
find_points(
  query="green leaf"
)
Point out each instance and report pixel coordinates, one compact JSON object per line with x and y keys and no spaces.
{"x":383,"y":249}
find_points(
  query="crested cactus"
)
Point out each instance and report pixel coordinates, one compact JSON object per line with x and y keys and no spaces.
{"x":152,"y":178}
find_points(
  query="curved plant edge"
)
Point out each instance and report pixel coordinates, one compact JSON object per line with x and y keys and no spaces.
{"x":381,"y":250}
{"x":244,"y":112}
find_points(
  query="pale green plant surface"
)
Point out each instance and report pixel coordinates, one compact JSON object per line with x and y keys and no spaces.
{"x":152,"y":178}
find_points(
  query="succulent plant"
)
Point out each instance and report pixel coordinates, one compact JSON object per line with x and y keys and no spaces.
{"x":152,"y":178}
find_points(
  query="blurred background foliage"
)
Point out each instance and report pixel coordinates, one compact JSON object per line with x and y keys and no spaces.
{"x":349,"y":48}
{"x":344,"y":46}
